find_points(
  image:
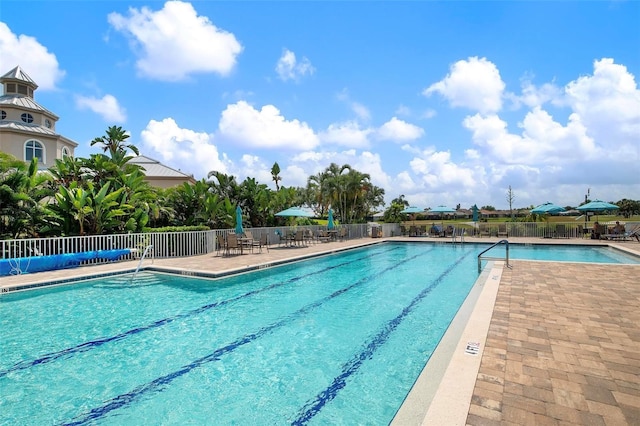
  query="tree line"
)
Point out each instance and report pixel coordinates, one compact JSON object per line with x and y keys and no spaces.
{"x":106,"y":194}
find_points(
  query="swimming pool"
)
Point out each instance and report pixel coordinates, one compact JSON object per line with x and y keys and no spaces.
{"x":337,"y":339}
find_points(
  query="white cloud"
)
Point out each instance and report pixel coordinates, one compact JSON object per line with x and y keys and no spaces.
{"x":399,"y":131}
{"x":348,"y":134}
{"x":264,"y":128}
{"x":543,"y":140}
{"x":608,"y":103}
{"x":34,"y":58}
{"x":107,"y":107}
{"x":288,"y":68}
{"x":474,"y":84}
{"x":174,"y":42}
{"x":183,"y":148}
{"x":361,"y":111}
{"x":533,"y":96}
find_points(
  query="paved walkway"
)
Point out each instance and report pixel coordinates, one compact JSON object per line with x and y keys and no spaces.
{"x":563,"y":346}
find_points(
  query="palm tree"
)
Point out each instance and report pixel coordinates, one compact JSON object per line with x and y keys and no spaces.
{"x":115,"y":143}
{"x":275,"y":175}
{"x":21,"y":190}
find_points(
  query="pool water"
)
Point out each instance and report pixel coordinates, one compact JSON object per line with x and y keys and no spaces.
{"x":567,"y":253}
{"x":337,"y":339}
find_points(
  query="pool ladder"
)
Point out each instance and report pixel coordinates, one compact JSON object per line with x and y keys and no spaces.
{"x":144,"y":254}
{"x":481,"y":257}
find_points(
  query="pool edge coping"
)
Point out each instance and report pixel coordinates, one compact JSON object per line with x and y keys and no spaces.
{"x":443,"y":390}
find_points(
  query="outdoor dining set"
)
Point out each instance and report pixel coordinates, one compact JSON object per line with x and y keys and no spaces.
{"x":246,"y":242}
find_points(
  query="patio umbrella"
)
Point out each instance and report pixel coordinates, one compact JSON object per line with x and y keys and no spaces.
{"x":330,"y":224}
{"x":442,"y":210}
{"x":239,"y":230}
{"x":475,"y":213}
{"x":597,"y":206}
{"x":295,"y":211}
{"x":413,"y":210}
{"x":547,"y":207}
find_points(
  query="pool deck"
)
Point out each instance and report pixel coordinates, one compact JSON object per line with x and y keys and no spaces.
{"x":544,"y":343}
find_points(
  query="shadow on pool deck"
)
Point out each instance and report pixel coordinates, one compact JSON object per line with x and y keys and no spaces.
{"x":563,"y":345}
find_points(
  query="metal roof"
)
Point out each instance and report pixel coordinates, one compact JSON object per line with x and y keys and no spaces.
{"x":154,"y":168}
{"x":27,"y":127}
{"x":24,"y":102}
{"x":18,"y":74}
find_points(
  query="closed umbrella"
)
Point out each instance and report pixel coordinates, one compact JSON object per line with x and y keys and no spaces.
{"x":239,"y":229}
{"x":475,"y":213}
{"x":330,"y":224}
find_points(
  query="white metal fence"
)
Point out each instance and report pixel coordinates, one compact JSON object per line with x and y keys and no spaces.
{"x":182,"y":244}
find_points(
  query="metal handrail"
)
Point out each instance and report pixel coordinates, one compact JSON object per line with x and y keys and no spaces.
{"x":505,"y":242}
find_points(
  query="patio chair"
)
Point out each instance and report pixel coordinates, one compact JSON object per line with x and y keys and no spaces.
{"x":502,"y":230}
{"x":436,"y":231}
{"x":342,"y":234}
{"x":561,"y":231}
{"x":232,"y":244}
{"x":484,"y":230}
{"x":221,"y":247}
{"x":308,"y":235}
{"x":298,"y":238}
{"x":263,"y":241}
{"x":323,"y":236}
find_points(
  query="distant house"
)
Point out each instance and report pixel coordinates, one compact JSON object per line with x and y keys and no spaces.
{"x":27,"y":129}
{"x":159,"y":175}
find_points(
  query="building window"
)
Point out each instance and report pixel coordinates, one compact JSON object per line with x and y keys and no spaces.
{"x":65,"y":152}
{"x":22,"y":89}
{"x":47,"y":123}
{"x":3,"y":114}
{"x":34,"y":149}
{"x":26,"y":117}
{"x":11,"y":88}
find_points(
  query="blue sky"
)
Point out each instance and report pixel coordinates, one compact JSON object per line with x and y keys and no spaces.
{"x":444,"y":102}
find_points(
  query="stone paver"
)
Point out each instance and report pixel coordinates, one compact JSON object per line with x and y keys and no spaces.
{"x":568,"y":336}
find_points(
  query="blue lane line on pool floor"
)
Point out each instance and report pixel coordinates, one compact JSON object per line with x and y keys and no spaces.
{"x":313,"y":407}
{"x":157,"y":384}
{"x":87,"y":346}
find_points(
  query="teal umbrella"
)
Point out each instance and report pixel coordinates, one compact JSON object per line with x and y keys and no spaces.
{"x":412,"y":210}
{"x":442,"y":210}
{"x":295,"y":211}
{"x":597,"y":206}
{"x":475,"y":213}
{"x":547,"y":208}
{"x":239,"y":230}
{"x":330,"y":224}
